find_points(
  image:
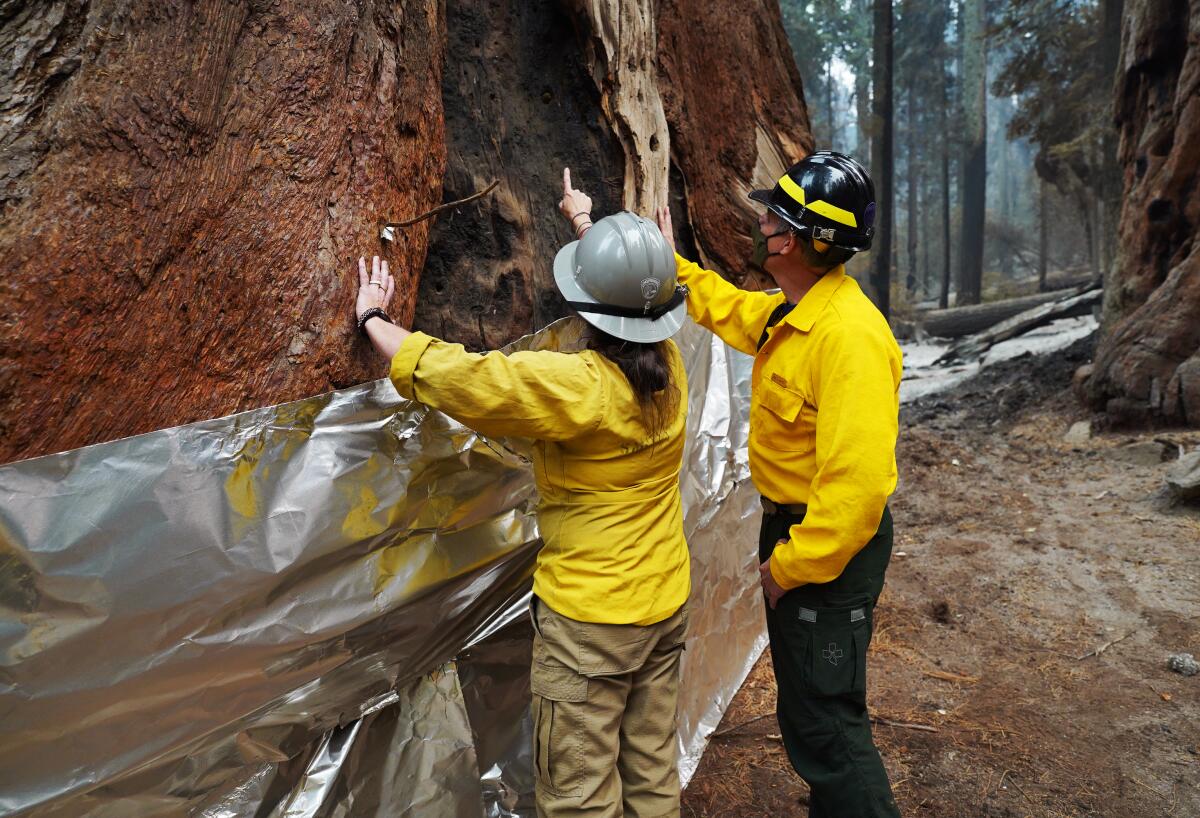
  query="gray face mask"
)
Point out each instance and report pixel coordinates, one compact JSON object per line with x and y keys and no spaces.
{"x":761,"y":251}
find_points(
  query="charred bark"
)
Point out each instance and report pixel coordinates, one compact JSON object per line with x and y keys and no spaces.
{"x":520,"y":105}
{"x":1147,"y":366}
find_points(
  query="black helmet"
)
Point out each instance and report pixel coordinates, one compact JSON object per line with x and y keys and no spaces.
{"x":826,"y":196}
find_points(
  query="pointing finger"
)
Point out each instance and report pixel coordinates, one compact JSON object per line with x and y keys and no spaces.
{"x":362,"y":272}
{"x":566,"y":181}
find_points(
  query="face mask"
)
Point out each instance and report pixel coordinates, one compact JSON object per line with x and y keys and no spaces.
{"x":761,"y":251}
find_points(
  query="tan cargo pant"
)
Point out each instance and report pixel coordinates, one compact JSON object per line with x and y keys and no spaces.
{"x":604,"y":706}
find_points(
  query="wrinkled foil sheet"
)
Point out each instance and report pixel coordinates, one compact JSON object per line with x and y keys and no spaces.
{"x":321,"y":608}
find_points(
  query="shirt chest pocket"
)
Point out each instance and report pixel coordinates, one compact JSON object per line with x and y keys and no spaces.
{"x":785,"y":402}
{"x":781,"y":418}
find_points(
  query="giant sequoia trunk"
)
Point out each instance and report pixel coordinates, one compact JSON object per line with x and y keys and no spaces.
{"x":1148,"y":361}
{"x":184,"y":185}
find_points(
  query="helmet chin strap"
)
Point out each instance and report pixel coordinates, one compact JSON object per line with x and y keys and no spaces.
{"x":652,"y":313}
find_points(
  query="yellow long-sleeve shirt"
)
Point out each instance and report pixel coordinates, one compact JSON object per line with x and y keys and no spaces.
{"x":824,"y":411}
{"x":610,"y":513}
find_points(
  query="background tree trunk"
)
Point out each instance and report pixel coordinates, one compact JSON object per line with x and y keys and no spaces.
{"x":1147,"y":366}
{"x":862,"y":94}
{"x":914,"y":184}
{"x":944,"y":122}
{"x":974,"y":166}
{"x":1043,"y":219}
{"x":882,"y":153}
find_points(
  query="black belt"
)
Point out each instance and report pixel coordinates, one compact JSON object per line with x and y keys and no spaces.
{"x":796,"y":509}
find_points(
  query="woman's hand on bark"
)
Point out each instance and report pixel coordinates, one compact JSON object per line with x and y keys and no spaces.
{"x":375,"y":289}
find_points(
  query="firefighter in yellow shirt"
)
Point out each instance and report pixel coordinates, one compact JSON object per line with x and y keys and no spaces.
{"x":823,"y":424}
{"x":612,"y":579}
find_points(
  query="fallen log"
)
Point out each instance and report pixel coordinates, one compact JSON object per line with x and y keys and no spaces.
{"x":1071,"y":306}
{"x":957,"y":322}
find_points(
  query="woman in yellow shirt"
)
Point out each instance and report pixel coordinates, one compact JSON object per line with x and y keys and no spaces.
{"x":612,"y":578}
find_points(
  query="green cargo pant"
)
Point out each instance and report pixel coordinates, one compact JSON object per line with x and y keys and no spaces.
{"x":604,"y":707}
{"x":819,"y":636}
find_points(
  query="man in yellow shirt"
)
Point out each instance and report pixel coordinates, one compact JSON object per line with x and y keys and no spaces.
{"x":823,"y":424}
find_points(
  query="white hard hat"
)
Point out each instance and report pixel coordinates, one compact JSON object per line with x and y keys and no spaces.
{"x":620,"y":277}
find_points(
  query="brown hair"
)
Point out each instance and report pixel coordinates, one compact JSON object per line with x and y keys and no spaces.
{"x":647,"y":368}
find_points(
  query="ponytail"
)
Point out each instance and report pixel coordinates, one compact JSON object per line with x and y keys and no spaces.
{"x":648,"y":370}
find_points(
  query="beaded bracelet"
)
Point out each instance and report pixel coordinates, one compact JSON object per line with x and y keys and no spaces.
{"x":374,"y":312}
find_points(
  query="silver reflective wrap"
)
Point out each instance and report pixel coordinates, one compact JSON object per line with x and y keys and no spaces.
{"x":320,"y":608}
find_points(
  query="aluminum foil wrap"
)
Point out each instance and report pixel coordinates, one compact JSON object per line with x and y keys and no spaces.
{"x":321,"y":608}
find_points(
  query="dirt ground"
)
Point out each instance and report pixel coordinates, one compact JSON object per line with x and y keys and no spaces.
{"x":1019,"y":664}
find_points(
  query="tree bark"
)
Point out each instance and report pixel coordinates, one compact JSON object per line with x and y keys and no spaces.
{"x":184,"y":187}
{"x":882,"y":154}
{"x":1110,"y":171}
{"x":974,"y":166}
{"x":731,"y":131}
{"x":1147,"y":366}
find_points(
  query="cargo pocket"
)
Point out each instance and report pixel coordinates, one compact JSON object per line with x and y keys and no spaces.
{"x":830,"y":653}
{"x":559,"y":699}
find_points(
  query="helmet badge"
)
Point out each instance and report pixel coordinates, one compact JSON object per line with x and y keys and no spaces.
{"x":650,"y":288}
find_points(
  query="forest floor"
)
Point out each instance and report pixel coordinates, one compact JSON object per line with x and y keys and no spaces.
{"x":1019,"y":663}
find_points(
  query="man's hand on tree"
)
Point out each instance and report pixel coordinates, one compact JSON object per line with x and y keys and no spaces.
{"x":662,"y":215}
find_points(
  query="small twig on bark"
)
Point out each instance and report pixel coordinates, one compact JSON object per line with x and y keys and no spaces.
{"x":429,"y":214}
{"x":925,"y":728}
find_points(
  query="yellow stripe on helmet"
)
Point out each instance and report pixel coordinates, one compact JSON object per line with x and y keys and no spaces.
{"x":829,"y":211}
{"x":792,"y":189}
